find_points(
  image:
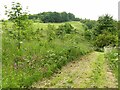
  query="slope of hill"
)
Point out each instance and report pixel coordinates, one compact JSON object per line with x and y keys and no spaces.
{"x":42,"y":52}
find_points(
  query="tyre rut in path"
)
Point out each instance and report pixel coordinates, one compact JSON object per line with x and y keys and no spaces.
{"x":78,"y":74}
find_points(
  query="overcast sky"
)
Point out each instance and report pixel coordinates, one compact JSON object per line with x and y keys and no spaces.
{"x":90,"y":9}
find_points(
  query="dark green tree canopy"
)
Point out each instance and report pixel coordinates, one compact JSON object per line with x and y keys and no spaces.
{"x":106,"y":22}
{"x":54,"y":17}
{"x":106,"y":31}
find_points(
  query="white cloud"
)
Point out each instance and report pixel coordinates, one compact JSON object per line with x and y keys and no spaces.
{"x":81,"y":8}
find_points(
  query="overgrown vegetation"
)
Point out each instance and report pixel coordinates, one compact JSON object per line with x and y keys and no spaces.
{"x":32,"y":51}
{"x":38,"y":57}
{"x":41,"y":53}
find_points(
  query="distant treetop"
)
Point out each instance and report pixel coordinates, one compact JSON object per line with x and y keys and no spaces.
{"x":53,"y":17}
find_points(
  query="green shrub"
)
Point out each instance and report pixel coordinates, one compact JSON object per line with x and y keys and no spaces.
{"x":105,"y":39}
{"x":65,"y":29}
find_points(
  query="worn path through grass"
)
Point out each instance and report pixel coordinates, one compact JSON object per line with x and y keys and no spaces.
{"x":87,"y":72}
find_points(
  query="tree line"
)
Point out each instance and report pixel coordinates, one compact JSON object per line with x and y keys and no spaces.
{"x":53,"y":17}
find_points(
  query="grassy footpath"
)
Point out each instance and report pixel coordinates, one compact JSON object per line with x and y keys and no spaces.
{"x":97,"y":77}
{"x":87,"y":72}
{"x":102,"y":75}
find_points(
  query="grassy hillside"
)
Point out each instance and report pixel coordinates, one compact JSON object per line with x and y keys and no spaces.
{"x":39,"y":57}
